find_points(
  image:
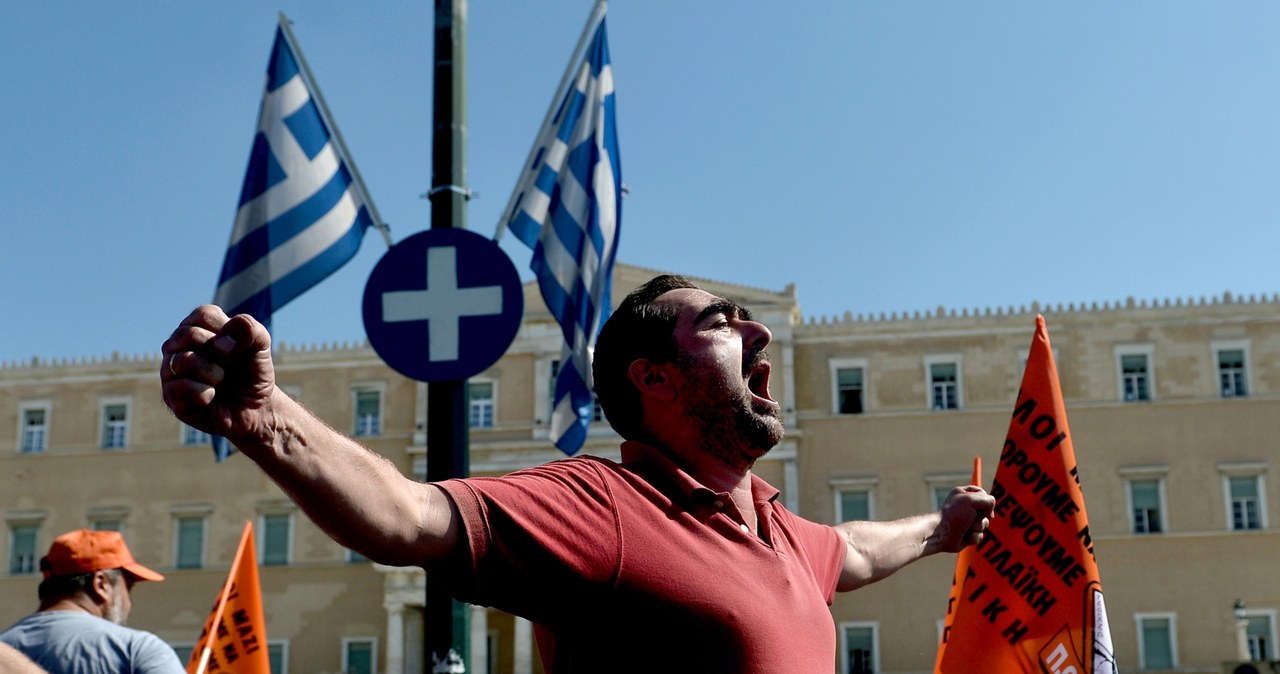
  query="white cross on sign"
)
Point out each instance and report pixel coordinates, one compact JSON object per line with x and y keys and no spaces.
{"x":442,"y":303}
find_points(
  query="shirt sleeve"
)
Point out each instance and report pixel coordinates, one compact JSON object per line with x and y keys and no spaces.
{"x":153,"y":656}
{"x":823,"y":547}
{"x":534,"y":537}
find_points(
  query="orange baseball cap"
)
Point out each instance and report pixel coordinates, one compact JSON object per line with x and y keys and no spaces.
{"x":85,"y":551}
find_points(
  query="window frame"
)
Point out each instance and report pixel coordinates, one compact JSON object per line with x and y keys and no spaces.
{"x":944,"y":482}
{"x":1140,"y":640}
{"x":191,"y":511}
{"x":835,"y":365}
{"x":492,"y":402}
{"x":112,"y":401}
{"x":954,"y":359}
{"x":24,"y":520}
{"x":358,"y":429}
{"x":283,"y":645}
{"x":100,"y":515}
{"x":1236,"y":469}
{"x":1158,"y":474}
{"x":1148,"y":351}
{"x":193,"y":437}
{"x":43,"y":405}
{"x":373,"y":652}
{"x":1273,"y":653}
{"x":865,"y":485}
{"x":1217,"y":347}
{"x":277,"y":510}
{"x":874,"y":627}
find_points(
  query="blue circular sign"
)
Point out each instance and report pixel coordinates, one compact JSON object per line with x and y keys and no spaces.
{"x":442,"y":305}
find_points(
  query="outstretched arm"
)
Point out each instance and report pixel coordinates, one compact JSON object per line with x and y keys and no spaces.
{"x":875,"y":550}
{"x":217,"y":376}
{"x":12,"y":661}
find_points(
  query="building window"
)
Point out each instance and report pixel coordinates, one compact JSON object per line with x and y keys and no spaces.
{"x":849,"y":385}
{"x":35,"y":428}
{"x":184,"y":651}
{"x":115,"y":425}
{"x":192,"y":437}
{"x":1157,"y":641}
{"x":597,"y":412}
{"x":1137,"y":378}
{"x":354,"y":557}
{"x":480,"y":403}
{"x":277,"y":539}
{"x":189,"y":543}
{"x":368,"y":404}
{"x":859,"y":648}
{"x":1146,"y":499}
{"x":22,"y":548}
{"x":1261,"y":636}
{"x":551,"y":391}
{"x":1233,"y":369}
{"x":278,"y":656}
{"x":941,"y":484}
{"x":854,"y":499}
{"x":107,"y":518}
{"x":359,"y":656}
{"x":1244,"y":494}
{"x":944,"y":382}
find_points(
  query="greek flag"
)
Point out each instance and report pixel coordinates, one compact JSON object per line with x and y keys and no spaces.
{"x":303,"y":209}
{"x":567,"y":207}
{"x":301,"y":214}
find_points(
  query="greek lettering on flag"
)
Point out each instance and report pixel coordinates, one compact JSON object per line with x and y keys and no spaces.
{"x":568,"y":209}
{"x":301,"y":214}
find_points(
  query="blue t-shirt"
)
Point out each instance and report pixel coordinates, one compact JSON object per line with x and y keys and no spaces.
{"x":73,"y":642}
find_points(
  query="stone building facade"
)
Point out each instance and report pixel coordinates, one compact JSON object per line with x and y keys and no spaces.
{"x":1172,"y":408}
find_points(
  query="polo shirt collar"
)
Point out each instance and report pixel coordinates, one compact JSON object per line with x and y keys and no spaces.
{"x":684,"y":484}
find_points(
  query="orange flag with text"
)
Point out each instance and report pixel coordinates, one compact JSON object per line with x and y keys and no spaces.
{"x":1028,"y":599}
{"x":234,"y":639}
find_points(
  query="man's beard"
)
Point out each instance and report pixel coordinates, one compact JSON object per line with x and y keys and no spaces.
{"x":114,"y":611}
{"x":732,"y":428}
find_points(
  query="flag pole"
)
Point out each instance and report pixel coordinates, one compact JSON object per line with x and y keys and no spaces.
{"x":337,"y":135}
{"x":222,"y":599}
{"x":597,"y":15}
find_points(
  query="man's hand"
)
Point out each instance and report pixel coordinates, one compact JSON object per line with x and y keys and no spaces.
{"x":216,"y":373}
{"x":964,"y":518}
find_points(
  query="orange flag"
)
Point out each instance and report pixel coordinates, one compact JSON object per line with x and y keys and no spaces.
{"x":234,"y":639}
{"x":1029,"y":597}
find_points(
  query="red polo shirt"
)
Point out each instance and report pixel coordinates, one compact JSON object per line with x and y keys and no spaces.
{"x":636,"y":567}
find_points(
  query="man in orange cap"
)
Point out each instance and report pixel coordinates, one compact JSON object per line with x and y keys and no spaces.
{"x":84,"y":601}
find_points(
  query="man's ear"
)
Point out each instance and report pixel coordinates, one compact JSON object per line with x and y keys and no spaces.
{"x":101,"y":588}
{"x":652,"y":379}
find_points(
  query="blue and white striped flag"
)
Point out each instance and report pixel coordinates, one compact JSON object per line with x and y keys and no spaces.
{"x":302,"y":215}
{"x":568,"y":208}
{"x":303,"y":210}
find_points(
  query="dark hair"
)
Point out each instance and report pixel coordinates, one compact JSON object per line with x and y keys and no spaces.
{"x":636,"y":330}
{"x":57,"y":587}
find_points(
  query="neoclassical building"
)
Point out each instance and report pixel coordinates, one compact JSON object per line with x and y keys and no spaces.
{"x":1172,"y":405}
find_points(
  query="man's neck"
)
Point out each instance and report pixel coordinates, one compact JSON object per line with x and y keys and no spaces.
{"x":711,"y":471}
{"x":71,"y":604}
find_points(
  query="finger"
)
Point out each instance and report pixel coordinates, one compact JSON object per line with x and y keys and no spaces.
{"x":208,"y":316}
{"x":184,"y":341}
{"x":187,"y":398}
{"x":193,"y":365}
{"x":242,"y":333}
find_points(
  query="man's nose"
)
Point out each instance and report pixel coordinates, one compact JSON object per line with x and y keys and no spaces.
{"x":756,"y":335}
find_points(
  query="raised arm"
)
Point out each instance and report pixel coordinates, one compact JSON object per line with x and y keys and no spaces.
{"x":217,"y":375}
{"x":875,"y":550}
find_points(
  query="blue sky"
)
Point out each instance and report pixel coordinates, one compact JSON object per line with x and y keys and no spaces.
{"x":882,"y":156}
